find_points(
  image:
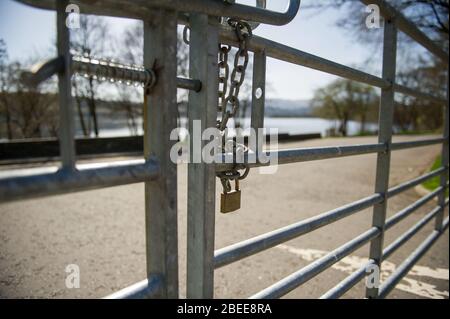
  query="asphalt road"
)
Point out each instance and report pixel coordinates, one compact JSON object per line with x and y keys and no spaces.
{"x":102,"y":232}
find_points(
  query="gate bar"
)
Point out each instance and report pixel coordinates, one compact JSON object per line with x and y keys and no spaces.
{"x":296,"y":279}
{"x":414,"y":182}
{"x":288,"y":54}
{"x":412,"y":259}
{"x":142,"y":8}
{"x":416,"y":93}
{"x":258,"y":103}
{"x":160,"y":117}
{"x":202,"y":110}
{"x":240,"y":250}
{"x":145,"y":289}
{"x":385,"y":122}
{"x":249,"y":247}
{"x":350,"y":281}
{"x":84,"y":177}
{"x":444,"y":159}
{"x":66,"y":114}
{"x":410,"y":29}
{"x":419,"y":143}
{"x":288,"y":156}
{"x":393,"y":220}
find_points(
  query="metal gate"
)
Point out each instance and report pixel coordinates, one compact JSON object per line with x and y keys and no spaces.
{"x":159,"y":173}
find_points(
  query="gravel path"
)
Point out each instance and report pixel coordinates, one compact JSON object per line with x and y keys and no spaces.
{"x":102,"y":232}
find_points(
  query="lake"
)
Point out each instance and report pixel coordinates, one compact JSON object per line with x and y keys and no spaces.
{"x":284,"y":124}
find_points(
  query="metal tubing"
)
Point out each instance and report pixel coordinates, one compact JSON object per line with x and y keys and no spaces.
{"x":189,"y":84}
{"x":142,"y":8}
{"x":393,"y":220}
{"x":102,"y":69}
{"x":145,"y":289}
{"x":160,"y":118}
{"x":296,"y":279}
{"x":288,"y":54}
{"x":346,"y":284}
{"x":262,"y":242}
{"x":407,"y":27}
{"x":201,"y":176}
{"x":66,"y":116}
{"x":389,"y":250}
{"x":410,"y":144}
{"x":420,"y":95}
{"x":258,"y":96}
{"x":412,"y":259}
{"x":414,"y":182}
{"x":350,"y":281}
{"x":84,"y":177}
{"x":289,"y":156}
{"x":444,"y":160}
{"x":285,"y":53}
{"x":385,"y":122}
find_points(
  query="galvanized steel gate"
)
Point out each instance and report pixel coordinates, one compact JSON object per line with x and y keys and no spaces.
{"x":159,"y":173}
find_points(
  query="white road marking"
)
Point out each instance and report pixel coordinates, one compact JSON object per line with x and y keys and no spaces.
{"x":352,"y":263}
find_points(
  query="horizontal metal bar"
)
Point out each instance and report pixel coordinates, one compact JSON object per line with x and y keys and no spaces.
{"x":393,"y":220}
{"x":232,"y":253}
{"x":387,"y":286}
{"x":414,"y":182}
{"x":346,"y":284}
{"x":410,"y":144}
{"x":420,"y":95}
{"x":409,"y":28}
{"x":86,"y":177}
{"x":288,"y":54}
{"x":102,"y":69}
{"x":296,"y":279}
{"x":235,"y":252}
{"x":142,"y":8}
{"x":189,"y":84}
{"x":389,"y":250}
{"x":303,"y":155}
{"x":145,"y":289}
{"x":110,"y":70}
{"x":350,"y":281}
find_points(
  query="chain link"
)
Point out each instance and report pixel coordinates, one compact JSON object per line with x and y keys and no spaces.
{"x":243,"y":32}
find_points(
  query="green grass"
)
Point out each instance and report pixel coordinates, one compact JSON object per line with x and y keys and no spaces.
{"x":434,"y":182}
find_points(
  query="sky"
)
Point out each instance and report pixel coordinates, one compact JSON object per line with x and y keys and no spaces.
{"x":29,"y":31}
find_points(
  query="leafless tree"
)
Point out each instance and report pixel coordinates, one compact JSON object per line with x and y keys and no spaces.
{"x":132,"y":46}
{"x":89,"y":40}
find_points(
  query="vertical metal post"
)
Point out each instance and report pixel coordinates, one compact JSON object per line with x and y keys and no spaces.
{"x":444,"y":157}
{"x":258,"y":94}
{"x":160,"y":117}
{"x":66,"y":116}
{"x":202,"y":108}
{"x":384,"y":136}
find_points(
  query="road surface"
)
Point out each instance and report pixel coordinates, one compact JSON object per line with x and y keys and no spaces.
{"x":102,"y":232}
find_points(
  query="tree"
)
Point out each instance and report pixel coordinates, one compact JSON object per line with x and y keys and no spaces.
{"x":4,"y":87}
{"x":415,"y":69}
{"x":29,"y":111}
{"x":132,"y":48}
{"x":345,"y":100}
{"x":89,"y":41}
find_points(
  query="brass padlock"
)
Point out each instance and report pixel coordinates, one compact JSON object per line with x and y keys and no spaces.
{"x":230,"y":201}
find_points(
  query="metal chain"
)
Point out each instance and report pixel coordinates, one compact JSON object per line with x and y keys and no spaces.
{"x":231,"y":97}
{"x":243,"y":32}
